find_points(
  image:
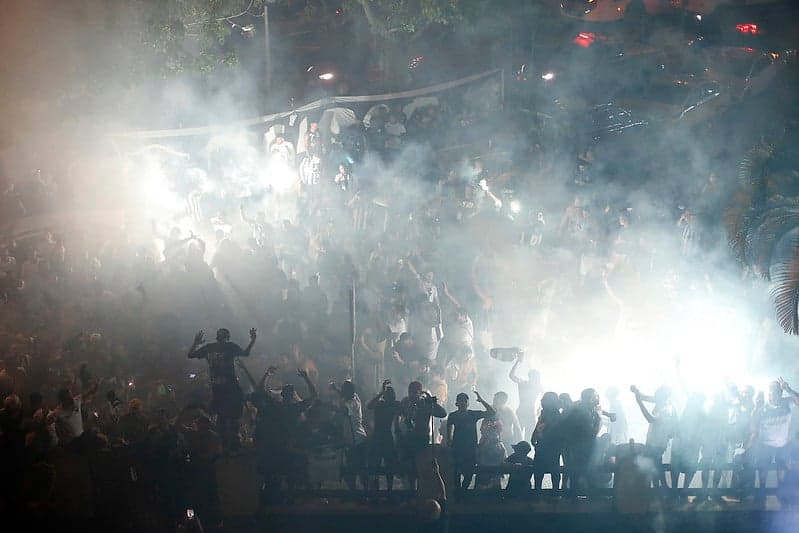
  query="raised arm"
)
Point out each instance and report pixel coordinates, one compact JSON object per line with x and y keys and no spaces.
{"x":490,"y":411}
{"x":452,"y":299}
{"x":181,"y":242}
{"x":248,"y":349}
{"x":639,"y":398}
{"x":373,"y":402}
{"x":512,"y":374}
{"x":311,"y":389}
{"x":787,"y":388}
{"x":198,"y":340}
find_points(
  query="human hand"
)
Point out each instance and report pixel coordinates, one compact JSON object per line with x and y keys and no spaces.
{"x":634,"y":390}
{"x":302,"y":373}
{"x":253,"y":334}
{"x":199,"y":338}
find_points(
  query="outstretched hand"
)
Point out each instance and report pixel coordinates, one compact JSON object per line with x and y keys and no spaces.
{"x":199,"y":338}
{"x":302,"y":373}
{"x":253,"y":334}
{"x":634,"y":390}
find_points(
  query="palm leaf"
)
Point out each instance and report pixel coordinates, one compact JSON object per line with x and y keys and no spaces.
{"x":754,"y":170}
{"x":785,"y":292}
{"x":760,"y":240}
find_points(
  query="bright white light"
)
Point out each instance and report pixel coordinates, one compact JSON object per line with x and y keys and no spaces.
{"x":699,"y":18}
{"x":327,"y":76}
{"x":515,"y":206}
{"x":155,"y":187}
{"x":483,"y":184}
{"x":549,"y":76}
{"x":280,"y":176}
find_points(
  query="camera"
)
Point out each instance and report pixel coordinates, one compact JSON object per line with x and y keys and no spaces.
{"x":427,"y":399}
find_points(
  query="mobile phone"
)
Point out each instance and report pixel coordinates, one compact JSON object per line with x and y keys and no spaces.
{"x":190,"y":514}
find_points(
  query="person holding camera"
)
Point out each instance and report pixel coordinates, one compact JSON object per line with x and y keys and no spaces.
{"x":227,"y":399}
{"x":461,"y":436}
{"x":416,"y":413}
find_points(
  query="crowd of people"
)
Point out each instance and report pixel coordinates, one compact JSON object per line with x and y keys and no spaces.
{"x":382,"y":283}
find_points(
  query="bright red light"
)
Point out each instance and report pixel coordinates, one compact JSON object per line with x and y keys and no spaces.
{"x":584,"y":39}
{"x":749,"y":28}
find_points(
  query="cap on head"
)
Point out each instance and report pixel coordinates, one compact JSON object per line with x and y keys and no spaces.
{"x":390,"y":395}
{"x":223,"y":335}
{"x":347,"y":390}
{"x":522,"y":447}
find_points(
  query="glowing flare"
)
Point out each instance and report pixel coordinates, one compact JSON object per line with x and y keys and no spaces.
{"x":749,"y":28}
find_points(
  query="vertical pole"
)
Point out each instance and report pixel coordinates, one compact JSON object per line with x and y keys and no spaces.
{"x":352,"y":327}
{"x":267,"y":50}
{"x":502,"y":89}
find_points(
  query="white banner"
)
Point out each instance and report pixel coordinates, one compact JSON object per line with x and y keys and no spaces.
{"x":324,"y":102}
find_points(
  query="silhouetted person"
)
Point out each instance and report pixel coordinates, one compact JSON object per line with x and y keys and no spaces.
{"x":461,"y":436}
{"x":227,"y":398}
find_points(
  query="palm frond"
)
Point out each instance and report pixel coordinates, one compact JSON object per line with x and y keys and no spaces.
{"x":785,"y":292}
{"x":752,"y":165}
{"x":761,"y":239}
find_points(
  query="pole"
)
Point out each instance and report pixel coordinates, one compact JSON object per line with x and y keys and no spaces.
{"x":502,"y":89}
{"x":352,"y":327}
{"x":267,"y":50}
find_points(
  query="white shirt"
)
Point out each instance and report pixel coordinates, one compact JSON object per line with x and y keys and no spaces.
{"x":68,"y":423}
{"x":461,"y":333}
{"x":355,"y":415}
{"x":775,"y":423}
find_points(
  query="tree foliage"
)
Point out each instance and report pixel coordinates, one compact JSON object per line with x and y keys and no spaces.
{"x":172,"y":36}
{"x":387,"y":17}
